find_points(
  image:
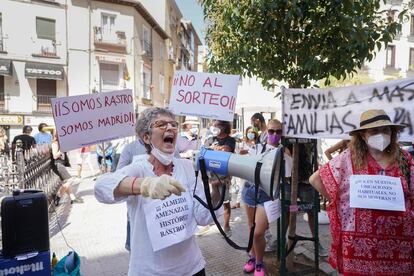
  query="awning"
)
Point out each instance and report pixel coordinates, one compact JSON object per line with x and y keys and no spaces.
{"x":5,"y":67}
{"x":44,"y":71}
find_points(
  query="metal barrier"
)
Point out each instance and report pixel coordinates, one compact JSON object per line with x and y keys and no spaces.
{"x":32,"y":170}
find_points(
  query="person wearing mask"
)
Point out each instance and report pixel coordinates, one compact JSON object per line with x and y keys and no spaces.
{"x":222,"y":141}
{"x":43,"y":137}
{"x":368,"y":241}
{"x":105,"y":152}
{"x":187,"y":141}
{"x":26,"y":139}
{"x":259,"y":125}
{"x":255,"y":262}
{"x":249,"y":141}
{"x":135,"y":148}
{"x":152,"y":185}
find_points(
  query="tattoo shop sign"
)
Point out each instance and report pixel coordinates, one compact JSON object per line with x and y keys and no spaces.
{"x":211,"y":96}
{"x":169,"y":221}
{"x":376,"y":192}
{"x":333,"y":112}
{"x":93,"y":118}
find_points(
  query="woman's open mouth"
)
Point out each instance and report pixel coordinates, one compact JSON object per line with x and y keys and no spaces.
{"x":169,"y":140}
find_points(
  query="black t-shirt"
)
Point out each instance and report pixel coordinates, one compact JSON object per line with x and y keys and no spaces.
{"x":226,"y":141}
{"x":27,"y":140}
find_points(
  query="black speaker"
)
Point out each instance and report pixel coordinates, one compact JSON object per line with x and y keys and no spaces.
{"x":24,"y":223}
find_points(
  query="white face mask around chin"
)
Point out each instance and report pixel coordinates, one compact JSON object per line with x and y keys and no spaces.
{"x":379,"y":141}
{"x":164,"y":158}
{"x":215,"y":131}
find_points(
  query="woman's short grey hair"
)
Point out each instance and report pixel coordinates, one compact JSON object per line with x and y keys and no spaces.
{"x":146,"y":118}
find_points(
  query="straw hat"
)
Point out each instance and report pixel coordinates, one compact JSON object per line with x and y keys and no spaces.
{"x":375,"y":118}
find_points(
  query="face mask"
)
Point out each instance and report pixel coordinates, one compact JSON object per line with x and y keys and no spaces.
{"x":379,"y":141}
{"x":215,"y":131}
{"x":250,"y":136}
{"x":164,"y":158}
{"x":194,"y":130}
{"x":273,"y":139}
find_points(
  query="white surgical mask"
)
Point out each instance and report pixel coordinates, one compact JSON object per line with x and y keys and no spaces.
{"x":379,"y":141}
{"x":250,"y":136}
{"x":164,"y":158}
{"x":215,"y":130}
{"x":194,"y":130}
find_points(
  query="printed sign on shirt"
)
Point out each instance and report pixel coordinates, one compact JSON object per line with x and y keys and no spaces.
{"x":272,"y":209}
{"x":169,"y":221}
{"x":376,"y":192}
{"x":211,"y":96}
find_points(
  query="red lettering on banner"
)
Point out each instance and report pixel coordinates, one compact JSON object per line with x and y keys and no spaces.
{"x":216,"y":84}
{"x":180,"y":94}
{"x":207,"y":81}
{"x":184,"y":80}
{"x":215,"y":98}
{"x":196,"y":96}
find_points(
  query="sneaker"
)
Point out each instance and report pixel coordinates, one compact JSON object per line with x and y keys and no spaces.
{"x":259,"y":270}
{"x":76,"y":200}
{"x":203,"y":230}
{"x":249,"y":265}
{"x":227,"y":232}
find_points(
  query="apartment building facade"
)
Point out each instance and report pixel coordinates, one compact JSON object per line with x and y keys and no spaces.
{"x":33,"y":61}
{"x":397,"y":59}
{"x":183,"y":42}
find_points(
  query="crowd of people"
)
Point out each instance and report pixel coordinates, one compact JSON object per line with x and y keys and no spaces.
{"x":155,"y":172}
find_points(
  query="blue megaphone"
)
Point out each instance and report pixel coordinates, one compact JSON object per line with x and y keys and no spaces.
{"x":242,"y":166}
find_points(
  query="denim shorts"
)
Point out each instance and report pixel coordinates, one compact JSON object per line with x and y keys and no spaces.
{"x":248,"y":195}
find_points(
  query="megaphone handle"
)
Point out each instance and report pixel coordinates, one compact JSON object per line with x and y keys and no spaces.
{"x":204,"y":177}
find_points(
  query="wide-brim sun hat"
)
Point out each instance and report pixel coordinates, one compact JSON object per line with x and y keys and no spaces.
{"x":375,"y":118}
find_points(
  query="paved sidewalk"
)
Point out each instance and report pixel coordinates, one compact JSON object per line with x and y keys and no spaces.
{"x":97,"y":232}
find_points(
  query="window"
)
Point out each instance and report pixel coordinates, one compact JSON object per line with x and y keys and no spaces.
{"x":390,"y":56}
{"x":162,"y":51}
{"x":1,"y":90}
{"x":46,"y":90}
{"x":45,"y":28}
{"x":109,"y":76}
{"x":162,"y":84}
{"x":411,"y":64}
{"x":108,"y":26}
{"x":146,"y":83}
{"x":146,"y":41}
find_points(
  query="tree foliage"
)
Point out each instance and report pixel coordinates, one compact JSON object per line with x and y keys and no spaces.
{"x":297,"y":41}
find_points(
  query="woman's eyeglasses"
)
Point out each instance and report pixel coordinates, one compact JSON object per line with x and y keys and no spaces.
{"x":273,"y":131}
{"x":164,"y":124}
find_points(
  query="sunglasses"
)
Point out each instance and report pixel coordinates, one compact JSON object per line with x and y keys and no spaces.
{"x":164,"y":124}
{"x":273,"y":131}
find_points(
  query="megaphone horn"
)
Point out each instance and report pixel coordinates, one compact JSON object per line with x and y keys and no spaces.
{"x":244,"y":167}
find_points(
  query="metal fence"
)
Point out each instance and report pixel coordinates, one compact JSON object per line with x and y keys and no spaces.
{"x":32,"y":169}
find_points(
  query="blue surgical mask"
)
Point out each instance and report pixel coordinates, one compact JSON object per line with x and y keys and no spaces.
{"x":250,"y":135}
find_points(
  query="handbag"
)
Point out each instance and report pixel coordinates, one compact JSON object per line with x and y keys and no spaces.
{"x":68,"y":265}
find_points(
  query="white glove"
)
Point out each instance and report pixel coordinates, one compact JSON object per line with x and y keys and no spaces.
{"x":160,"y":187}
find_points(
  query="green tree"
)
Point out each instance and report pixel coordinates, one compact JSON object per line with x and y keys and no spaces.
{"x":297,"y":41}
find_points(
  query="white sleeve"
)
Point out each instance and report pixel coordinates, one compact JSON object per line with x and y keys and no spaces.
{"x":202,"y":215}
{"x":106,"y":184}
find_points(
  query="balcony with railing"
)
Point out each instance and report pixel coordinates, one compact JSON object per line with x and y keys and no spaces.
{"x":44,"y":104}
{"x":146,"y":48}
{"x":45,"y":48}
{"x":110,"y":41}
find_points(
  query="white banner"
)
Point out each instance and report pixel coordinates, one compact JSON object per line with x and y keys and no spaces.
{"x":376,"y":192}
{"x":333,"y":112}
{"x":93,"y":118}
{"x":211,"y":96}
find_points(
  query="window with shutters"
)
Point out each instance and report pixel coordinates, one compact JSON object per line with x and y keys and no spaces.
{"x":45,"y":28}
{"x":46,"y":90}
{"x":390,"y":56}
{"x":109,"y":76}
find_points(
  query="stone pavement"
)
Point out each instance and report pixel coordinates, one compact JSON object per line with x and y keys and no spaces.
{"x":97,"y":232}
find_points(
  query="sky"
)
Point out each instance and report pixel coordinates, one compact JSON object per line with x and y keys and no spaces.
{"x":192,"y":11}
